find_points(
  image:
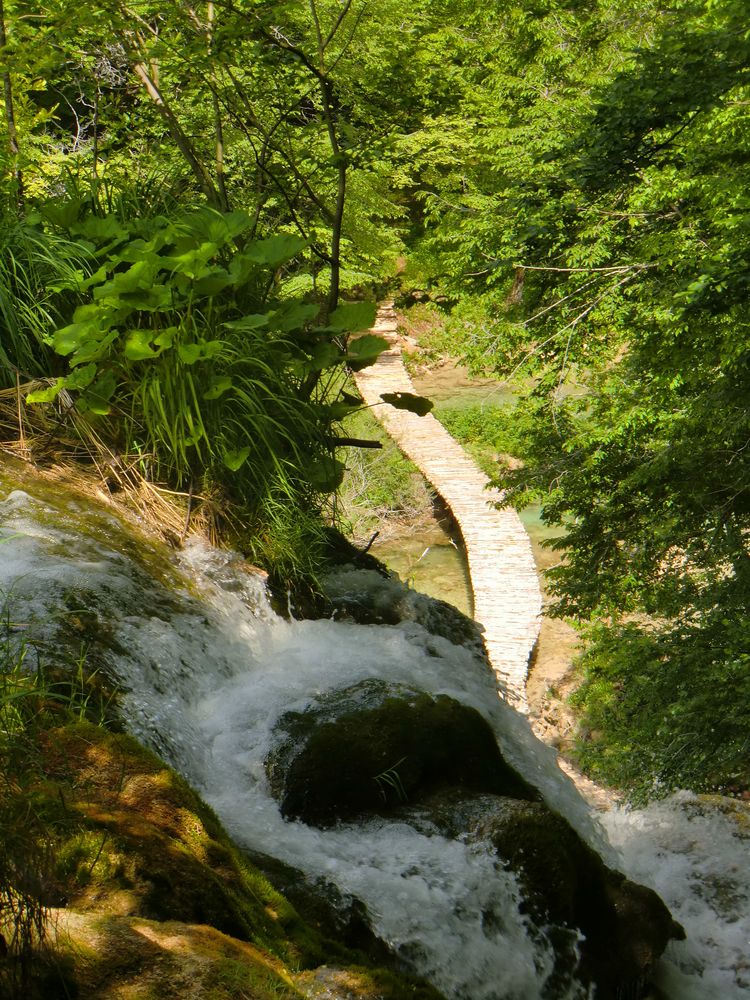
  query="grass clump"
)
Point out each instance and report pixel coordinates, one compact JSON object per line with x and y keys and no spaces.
{"x":489,"y":433}
{"x":27,"y":849}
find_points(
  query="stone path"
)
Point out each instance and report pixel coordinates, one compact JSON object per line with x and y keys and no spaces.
{"x":507,"y":598}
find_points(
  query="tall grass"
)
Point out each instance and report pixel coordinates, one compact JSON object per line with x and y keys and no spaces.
{"x":33,"y":264}
{"x":33,"y":701}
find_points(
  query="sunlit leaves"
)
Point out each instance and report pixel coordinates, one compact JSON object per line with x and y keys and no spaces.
{"x":353,"y":316}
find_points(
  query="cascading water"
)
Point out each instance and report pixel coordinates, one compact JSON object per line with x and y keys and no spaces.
{"x":208,"y":669}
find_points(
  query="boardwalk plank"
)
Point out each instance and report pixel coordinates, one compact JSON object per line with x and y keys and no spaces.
{"x":507,"y":598}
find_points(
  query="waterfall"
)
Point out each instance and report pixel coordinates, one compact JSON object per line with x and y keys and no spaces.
{"x":208,"y":668}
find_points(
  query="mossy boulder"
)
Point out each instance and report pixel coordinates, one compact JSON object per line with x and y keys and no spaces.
{"x":624,"y":927}
{"x":368,"y":749}
{"x":116,"y":956}
{"x":146,"y":875}
{"x":136,"y":840}
{"x":378,"y":597}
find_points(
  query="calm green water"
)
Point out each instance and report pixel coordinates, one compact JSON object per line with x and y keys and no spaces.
{"x":431,"y":560}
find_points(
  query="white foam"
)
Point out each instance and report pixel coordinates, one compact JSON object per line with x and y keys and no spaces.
{"x":208,"y":676}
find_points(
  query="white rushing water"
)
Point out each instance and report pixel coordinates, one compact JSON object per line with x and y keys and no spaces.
{"x":209,"y":671}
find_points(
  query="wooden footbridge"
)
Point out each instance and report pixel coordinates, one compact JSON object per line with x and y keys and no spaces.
{"x":507,"y":598}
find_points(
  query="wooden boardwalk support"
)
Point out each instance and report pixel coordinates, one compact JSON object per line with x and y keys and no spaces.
{"x":507,"y":597}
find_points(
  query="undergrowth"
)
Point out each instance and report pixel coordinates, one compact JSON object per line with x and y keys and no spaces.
{"x":30,"y":704}
{"x":653,"y":710}
{"x":381,"y":488}
{"x":488,"y":432}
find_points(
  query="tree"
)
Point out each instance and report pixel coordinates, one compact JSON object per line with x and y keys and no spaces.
{"x":632,"y":255}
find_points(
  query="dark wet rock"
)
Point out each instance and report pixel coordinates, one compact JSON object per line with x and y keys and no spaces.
{"x":326,"y":909}
{"x":624,"y":927}
{"x":380,"y":598}
{"x":435,"y":763}
{"x":367,"y":750}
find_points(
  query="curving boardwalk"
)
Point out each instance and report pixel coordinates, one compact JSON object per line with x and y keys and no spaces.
{"x":507,"y":598}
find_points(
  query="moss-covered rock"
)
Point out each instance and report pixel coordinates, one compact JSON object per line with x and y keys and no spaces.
{"x":155,"y":893}
{"x":366,"y":749}
{"x":118,"y":957}
{"x":624,"y":927}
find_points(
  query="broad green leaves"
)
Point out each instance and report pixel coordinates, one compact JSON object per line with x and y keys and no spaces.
{"x":177,"y":331}
{"x":353,"y":316}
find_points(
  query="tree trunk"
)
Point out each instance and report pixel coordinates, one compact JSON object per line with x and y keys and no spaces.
{"x":10,"y":118}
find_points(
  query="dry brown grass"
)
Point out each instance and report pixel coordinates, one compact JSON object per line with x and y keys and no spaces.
{"x":60,"y":445}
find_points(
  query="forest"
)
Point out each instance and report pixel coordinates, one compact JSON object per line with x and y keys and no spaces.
{"x":202,"y":204}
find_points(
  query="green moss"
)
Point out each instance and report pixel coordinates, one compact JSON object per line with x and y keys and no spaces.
{"x":127,"y":836}
{"x":233,"y":978}
{"x":87,"y":857}
{"x":57,"y":504}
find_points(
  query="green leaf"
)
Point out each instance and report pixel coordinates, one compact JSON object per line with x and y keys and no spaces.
{"x":81,"y":378}
{"x":212,"y":348}
{"x":139,"y":277}
{"x":70,"y":338}
{"x":218,"y":387}
{"x":293,"y":316}
{"x":96,"y":400}
{"x":138,"y":346}
{"x":363,"y":351}
{"x":137,"y":249}
{"x":48,"y":395}
{"x":234,"y":460}
{"x":190,"y":353}
{"x":192,"y":263}
{"x":324,"y":355}
{"x":252,"y":322}
{"x":212,"y":282}
{"x":62,"y":213}
{"x":98,"y":276}
{"x":157,"y":298}
{"x":216,"y":227}
{"x":340,"y":409}
{"x":101,"y":230}
{"x":93,"y":350}
{"x":408,"y":401}
{"x":166,"y":338}
{"x":354,"y":316}
{"x":274,"y":251}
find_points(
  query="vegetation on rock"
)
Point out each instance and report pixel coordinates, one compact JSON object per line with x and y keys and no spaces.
{"x":140,"y":865}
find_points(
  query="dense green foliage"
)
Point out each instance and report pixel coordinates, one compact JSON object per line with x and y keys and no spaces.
{"x":605,"y":257}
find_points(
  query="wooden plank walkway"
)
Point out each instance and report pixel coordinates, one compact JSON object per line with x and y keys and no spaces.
{"x":507,"y":598}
